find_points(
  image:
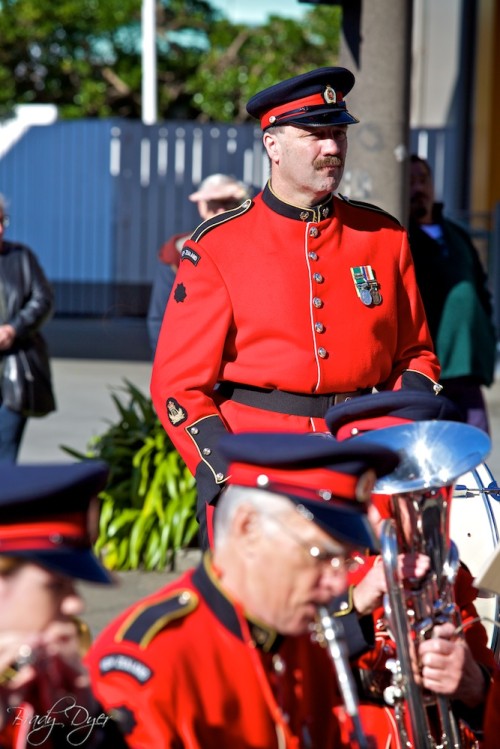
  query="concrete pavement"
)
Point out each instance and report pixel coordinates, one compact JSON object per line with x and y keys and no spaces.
{"x":85,"y":409}
{"x":83,"y":391}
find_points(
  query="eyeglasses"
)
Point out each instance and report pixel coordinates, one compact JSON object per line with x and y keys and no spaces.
{"x":334,"y":558}
{"x":4,"y":221}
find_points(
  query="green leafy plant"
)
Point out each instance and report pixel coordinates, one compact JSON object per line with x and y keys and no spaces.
{"x":149,"y":504}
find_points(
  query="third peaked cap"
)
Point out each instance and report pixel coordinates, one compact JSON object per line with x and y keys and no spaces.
{"x":388,"y":408}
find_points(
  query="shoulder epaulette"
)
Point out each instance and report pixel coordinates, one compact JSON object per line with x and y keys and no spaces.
{"x":146,"y":621}
{"x":369,"y":207}
{"x":221,"y":218}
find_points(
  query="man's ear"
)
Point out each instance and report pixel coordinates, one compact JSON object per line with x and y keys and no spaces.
{"x":271,"y":144}
{"x":247,"y":526}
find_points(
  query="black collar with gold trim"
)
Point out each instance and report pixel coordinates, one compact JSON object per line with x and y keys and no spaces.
{"x":316,"y":213}
{"x":205,"y":580}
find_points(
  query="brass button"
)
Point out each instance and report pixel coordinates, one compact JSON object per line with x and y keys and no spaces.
{"x":322,"y":353}
{"x":206,"y":451}
{"x":194,"y":430}
{"x":317,"y":302}
{"x":278,"y":664}
{"x":219,"y":476}
{"x":319,"y":327}
{"x":313,"y":256}
{"x":313,"y":231}
{"x":318,"y":278}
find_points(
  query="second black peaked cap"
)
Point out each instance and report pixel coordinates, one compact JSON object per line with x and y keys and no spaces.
{"x":331,"y":480}
{"x":46,"y":516}
{"x":312,"y":99}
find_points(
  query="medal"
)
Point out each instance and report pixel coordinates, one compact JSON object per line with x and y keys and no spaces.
{"x":365,"y":283}
{"x":366,"y":296}
{"x":373,"y":286}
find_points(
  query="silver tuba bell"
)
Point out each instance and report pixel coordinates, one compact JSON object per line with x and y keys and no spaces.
{"x":433,"y":455}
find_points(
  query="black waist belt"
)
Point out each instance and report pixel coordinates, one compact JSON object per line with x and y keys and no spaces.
{"x":283,"y":402}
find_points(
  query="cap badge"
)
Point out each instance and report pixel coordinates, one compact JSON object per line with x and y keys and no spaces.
{"x":329,"y":95}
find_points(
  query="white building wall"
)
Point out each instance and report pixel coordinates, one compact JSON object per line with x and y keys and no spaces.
{"x":435,"y":60}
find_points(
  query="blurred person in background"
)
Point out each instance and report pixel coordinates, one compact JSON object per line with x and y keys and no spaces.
{"x":457,"y":302}
{"x":46,"y":518}
{"x":216,"y":194}
{"x":26,"y":303}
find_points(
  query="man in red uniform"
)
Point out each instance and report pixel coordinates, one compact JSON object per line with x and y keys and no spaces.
{"x":292,"y":302}
{"x":223,"y":657}
{"x":454,"y":667}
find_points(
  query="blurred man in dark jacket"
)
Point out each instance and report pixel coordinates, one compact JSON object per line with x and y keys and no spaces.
{"x":457,"y":302}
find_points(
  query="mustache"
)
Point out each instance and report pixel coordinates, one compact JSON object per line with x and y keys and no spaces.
{"x":328,"y":161}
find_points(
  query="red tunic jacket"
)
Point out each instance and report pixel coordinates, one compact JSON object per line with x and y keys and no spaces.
{"x":492,"y":717}
{"x":265,"y":297}
{"x":184,"y":668}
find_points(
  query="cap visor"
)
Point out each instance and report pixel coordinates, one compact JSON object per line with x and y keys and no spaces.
{"x":197,"y":196}
{"x":82,"y":565}
{"x":346,"y":525}
{"x":322,"y":118}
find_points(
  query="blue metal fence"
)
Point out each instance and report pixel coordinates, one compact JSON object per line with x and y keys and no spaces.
{"x":96,"y":199}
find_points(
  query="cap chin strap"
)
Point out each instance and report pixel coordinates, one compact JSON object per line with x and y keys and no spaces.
{"x":300,"y":106}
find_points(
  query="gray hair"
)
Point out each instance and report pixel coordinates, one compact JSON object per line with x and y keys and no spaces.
{"x":233,"y":497}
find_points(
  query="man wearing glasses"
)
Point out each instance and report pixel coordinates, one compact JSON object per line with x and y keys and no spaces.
{"x":223,"y":657}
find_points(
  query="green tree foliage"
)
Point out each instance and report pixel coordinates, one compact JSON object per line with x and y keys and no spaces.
{"x":84,"y":56}
{"x":70,"y":53}
{"x":242,"y":60}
